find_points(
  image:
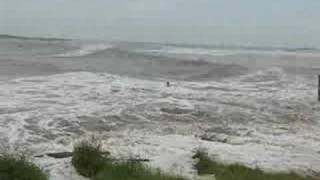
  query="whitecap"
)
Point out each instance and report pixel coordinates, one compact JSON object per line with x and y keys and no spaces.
{"x":85,"y":50}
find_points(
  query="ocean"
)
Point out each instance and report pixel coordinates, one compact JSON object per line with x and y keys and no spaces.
{"x":251,"y":105}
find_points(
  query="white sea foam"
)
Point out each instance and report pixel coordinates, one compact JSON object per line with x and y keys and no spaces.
{"x":192,"y":51}
{"x":225,"y":51}
{"x":85,"y":50}
{"x":267,"y":122}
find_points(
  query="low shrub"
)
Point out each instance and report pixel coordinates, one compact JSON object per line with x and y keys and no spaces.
{"x":18,"y":167}
{"x":87,"y":158}
{"x":206,"y":165}
{"x":89,"y":161}
{"x":132,"y":171}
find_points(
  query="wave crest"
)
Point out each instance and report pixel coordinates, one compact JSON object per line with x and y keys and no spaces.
{"x":272,"y":74}
{"x":85,"y":50}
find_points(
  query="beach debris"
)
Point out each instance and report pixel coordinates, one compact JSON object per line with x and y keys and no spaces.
{"x":63,"y":155}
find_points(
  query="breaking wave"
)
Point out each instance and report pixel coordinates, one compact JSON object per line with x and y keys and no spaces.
{"x":272,"y":74}
{"x":225,"y":51}
{"x":85,"y":50}
{"x":191,"y":51}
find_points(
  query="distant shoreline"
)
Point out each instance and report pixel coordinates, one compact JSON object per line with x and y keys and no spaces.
{"x":7,"y":36}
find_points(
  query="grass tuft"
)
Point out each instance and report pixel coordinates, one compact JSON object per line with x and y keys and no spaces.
{"x":206,"y":165}
{"x":132,"y":171}
{"x":18,"y":167}
{"x":87,"y":158}
{"x":89,"y":161}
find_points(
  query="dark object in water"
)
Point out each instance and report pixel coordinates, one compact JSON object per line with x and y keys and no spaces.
{"x":59,"y":155}
{"x":62,"y":155}
{"x":176,"y":111}
{"x":168,"y":84}
{"x":115,"y":90}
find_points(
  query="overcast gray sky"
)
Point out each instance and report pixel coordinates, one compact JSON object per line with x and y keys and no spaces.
{"x":246,"y":22}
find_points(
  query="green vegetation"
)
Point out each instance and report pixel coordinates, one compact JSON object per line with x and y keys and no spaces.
{"x":205,"y":165}
{"x":89,"y":161}
{"x":18,"y":167}
{"x":131,"y":171}
{"x":87,"y":158}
